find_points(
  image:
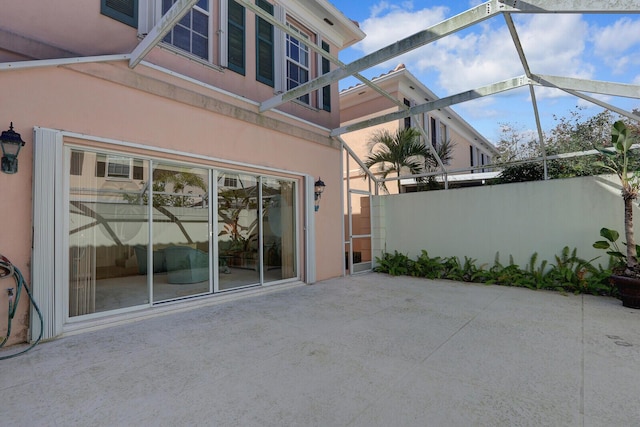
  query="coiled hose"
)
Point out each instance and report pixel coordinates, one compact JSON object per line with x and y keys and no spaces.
{"x":7,"y":269}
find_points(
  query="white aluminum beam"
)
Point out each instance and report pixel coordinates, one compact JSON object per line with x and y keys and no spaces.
{"x":438,"y":31}
{"x":534,"y":102}
{"x":470,"y":17}
{"x":162,"y":27}
{"x":573,"y":6}
{"x":592,"y":86}
{"x":603,"y":104}
{"x":480,"y":92}
{"x":517,"y":44}
{"x":40,"y":63}
{"x":360,"y":163}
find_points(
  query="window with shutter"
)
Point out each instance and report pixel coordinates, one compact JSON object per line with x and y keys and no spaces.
{"x":264,"y":46}
{"x":326,"y":90}
{"x":125,"y":11}
{"x":235,"y":40}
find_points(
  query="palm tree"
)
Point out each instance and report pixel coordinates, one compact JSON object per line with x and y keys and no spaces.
{"x":444,"y":150}
{"x":404,"y":151}
{"x":398,"y":152}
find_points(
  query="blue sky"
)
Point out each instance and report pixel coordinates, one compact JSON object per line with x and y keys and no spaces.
{"x":600,"y":47}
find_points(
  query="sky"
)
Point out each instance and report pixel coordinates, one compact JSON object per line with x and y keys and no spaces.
{"x":599,"y":47}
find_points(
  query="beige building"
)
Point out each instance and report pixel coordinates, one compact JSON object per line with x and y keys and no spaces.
{"x":149,"y":176}
{"x":360,"y":103}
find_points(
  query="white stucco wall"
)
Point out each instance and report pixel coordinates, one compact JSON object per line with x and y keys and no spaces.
{"x":512,"y":219}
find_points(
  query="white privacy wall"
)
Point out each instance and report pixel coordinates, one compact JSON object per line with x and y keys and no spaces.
{"x":512,"y":219}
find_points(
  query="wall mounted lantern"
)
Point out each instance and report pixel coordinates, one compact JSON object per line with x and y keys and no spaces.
{"x":318,"y":190}
{"x":11,"y":145}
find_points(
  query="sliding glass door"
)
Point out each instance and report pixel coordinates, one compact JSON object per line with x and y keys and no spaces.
{"x":180,"y":237}
{"x":238,"y":230}
{"x":141,"y":231}
{"x":279,"y":229}
{"x":108,"y":220}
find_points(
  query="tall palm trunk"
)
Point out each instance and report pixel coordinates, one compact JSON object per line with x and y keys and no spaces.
{"x":632,"y":261}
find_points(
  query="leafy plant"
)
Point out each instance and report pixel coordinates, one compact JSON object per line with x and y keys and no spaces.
{"x":522,"y":172}
{"x":170,"y":188}
{"x":617,"y":161}
{"x":404,"y":152}
{"x":570,"y":273}
{"x":233,"y":205}
{"x":424,"y":266}
{"x":395,"y":265}
{"x":612,"y":248}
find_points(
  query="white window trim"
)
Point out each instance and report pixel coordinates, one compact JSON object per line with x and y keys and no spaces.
{"x":150,"y":12}
{"x":303,"y":39}
{"x":279,"y":54}
{"x":223,"y":32}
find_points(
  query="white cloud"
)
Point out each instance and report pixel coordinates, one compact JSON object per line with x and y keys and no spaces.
{"x":612,"y":44}
{"x":389,"y":23}
{"x":554,"y":44}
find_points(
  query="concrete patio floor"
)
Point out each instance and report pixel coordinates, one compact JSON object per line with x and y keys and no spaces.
{"x":369,"y":350}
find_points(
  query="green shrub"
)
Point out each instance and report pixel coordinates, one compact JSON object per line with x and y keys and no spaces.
{"x":570,"y":273}
{"x":395,"y":265}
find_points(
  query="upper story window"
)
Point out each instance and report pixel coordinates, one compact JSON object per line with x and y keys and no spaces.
{"x":216,"y":32}
{"x":125,"y":11}
{"x":192,"y":32}
{"x":433,"y":131}
{"x":407,"y":120}
{"x":438,"y":131}
{"x":444,"y":132}
{"x":297,"y":57}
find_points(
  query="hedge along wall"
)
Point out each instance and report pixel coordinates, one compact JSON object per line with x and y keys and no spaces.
{"x":512,"y":219}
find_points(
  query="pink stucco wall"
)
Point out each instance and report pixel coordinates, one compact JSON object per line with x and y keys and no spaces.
{"x":176,"y":115}
{"x":59,"y":28}
{"x":60,"y":25}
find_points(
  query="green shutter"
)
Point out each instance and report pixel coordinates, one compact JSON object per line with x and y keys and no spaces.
{"x":264,"y":46}
{"x":235,"y":39}
{"x":326,"y":91}
{"x":125,"y":11}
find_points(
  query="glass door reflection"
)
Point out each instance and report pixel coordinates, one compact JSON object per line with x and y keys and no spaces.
{"x":180,"y":255}
{"x":107,"y":221}
{"x":238,"y":230}
{"x":279,"y":243}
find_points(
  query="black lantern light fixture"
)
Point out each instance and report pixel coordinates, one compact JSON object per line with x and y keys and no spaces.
{"x":318,"y":190}
{"x":11,"y":145}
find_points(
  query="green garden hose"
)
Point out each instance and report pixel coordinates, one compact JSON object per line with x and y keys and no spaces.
{"x":7,"y":269}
